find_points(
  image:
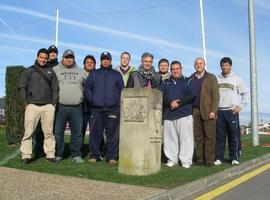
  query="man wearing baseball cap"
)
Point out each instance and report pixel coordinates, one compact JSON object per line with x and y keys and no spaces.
{"x":102,"y":91}
{"x":53,"y":53}
{"x":71,"y":80}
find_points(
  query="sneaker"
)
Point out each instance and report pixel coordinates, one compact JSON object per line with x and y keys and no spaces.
{"x":112,"y":162}
{"x":186,"y":166}
{"x":171,"y":163}
{"x":77,"y":159}
{"x":92,"y":160}
{"x":217,"y":162}
{"x":235,"y":162}
{"x":58,"y":158}
{"x":26,"y":161}
{"x":52,"y":160}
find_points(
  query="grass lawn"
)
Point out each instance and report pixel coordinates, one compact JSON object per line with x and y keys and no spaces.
{"x":166,"y":178}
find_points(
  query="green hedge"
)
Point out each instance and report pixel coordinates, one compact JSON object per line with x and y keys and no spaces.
{"x":14,"y":110}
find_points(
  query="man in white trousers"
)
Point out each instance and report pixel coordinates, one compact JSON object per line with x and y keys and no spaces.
{"x":178,"y":95}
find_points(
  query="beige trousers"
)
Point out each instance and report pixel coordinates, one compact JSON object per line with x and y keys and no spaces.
{"x":32,"y":115}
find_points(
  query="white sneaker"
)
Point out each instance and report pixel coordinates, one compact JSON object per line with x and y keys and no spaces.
{"x":58,"y":158}
{"x":171,"y":163}
{"x":217,"y":162}
{"x":186,"y":166}
{"x":235,"y":162}
{"x":77,"y":159}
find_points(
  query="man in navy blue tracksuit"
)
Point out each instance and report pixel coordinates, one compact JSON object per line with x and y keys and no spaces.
{"x":178,"y":94}
{"x":102,"y":91}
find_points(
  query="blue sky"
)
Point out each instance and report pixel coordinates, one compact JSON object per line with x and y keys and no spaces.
{"x":166,"y":28}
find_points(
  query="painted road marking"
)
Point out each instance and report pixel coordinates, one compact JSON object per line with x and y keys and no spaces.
{"x":224,"y":188}
{"x":11,"y":156}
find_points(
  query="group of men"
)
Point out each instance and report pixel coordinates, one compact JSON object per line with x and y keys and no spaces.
{"x":200,"y":108}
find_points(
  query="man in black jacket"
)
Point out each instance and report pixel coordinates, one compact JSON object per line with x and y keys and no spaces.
{"x":39,"y":91}
{"x":38,"y":134}
{"x":53,"y":53}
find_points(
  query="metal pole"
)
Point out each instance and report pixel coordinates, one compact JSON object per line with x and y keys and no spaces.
{"x":56,"y":29}
{"x":203,"y":34}
{"x":253,"y":76}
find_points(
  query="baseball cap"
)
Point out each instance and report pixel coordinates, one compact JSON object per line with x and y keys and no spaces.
{"x":68,"y":52}
{"x":105,"y":55}
{"x":53,"y":48}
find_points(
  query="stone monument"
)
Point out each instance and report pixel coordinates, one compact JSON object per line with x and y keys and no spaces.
{"x":140,"y":131}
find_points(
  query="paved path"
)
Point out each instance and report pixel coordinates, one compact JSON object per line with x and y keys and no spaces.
{"x":21,"y":184}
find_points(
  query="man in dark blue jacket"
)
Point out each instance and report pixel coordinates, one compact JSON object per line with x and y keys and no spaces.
{"x":178,"y":95}
{"x":102,"y":91}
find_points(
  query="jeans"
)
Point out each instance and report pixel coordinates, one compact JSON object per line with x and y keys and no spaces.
{"x":74,"y":116}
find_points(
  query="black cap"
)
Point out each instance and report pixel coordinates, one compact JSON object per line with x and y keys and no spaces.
{"x":105,"y":55}
{"x":42,"y":50}
{"x":53,"y":48}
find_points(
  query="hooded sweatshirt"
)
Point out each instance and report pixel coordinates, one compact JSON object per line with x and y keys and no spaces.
{"x":71,"y":81}
{"x":233,"y":92}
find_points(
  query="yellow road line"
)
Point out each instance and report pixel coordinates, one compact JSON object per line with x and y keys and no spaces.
{"x":224,"y":188}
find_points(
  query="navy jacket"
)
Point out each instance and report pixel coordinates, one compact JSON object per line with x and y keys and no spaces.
{"x":103,"y":89}
{"x":177,"y":89}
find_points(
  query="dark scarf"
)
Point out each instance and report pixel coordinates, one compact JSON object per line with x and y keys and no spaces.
{"x":146,"y":74}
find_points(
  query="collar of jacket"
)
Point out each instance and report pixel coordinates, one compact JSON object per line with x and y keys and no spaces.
{"x":176,"y":79}
{"x":106,"y":68}
{"x":38,"y":65}
{"x":204,"y":76}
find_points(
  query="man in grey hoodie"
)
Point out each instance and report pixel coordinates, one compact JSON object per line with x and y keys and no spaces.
{"x":71,"y":79}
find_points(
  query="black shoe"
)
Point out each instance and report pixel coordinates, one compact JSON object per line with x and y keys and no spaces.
{"x":209,"y":164}
{"x":52,"y":160}
{"x":26,"y":161}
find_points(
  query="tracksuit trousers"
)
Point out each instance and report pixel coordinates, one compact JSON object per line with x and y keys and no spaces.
{"x":228,"y":125}
{"x":178,"y":139}
{"x":110,"y":122}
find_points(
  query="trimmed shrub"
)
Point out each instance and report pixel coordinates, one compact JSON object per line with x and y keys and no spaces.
{"x":14,"y":110}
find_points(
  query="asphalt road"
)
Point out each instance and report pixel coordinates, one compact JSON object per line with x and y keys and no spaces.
{"x":257,"y":188}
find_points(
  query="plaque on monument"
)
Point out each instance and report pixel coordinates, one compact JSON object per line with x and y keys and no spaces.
{"x":140,"y":131}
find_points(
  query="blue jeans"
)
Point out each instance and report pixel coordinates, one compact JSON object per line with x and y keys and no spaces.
{"x":74,"y":116}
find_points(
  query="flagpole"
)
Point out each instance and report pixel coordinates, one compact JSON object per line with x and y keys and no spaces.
{"x":203,"y":34}
{"x":56,"y":29}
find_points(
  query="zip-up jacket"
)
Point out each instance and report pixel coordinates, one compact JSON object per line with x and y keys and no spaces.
{"x":52,"y":63}
{"x":177,"y":89}
{"x":233,"y":92}
{"x":35,"y":89}
{"x":127,"y":74}
{"x":103,"y":89}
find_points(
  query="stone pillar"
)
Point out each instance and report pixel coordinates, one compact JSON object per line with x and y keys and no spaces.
{"x":140,"y":131}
